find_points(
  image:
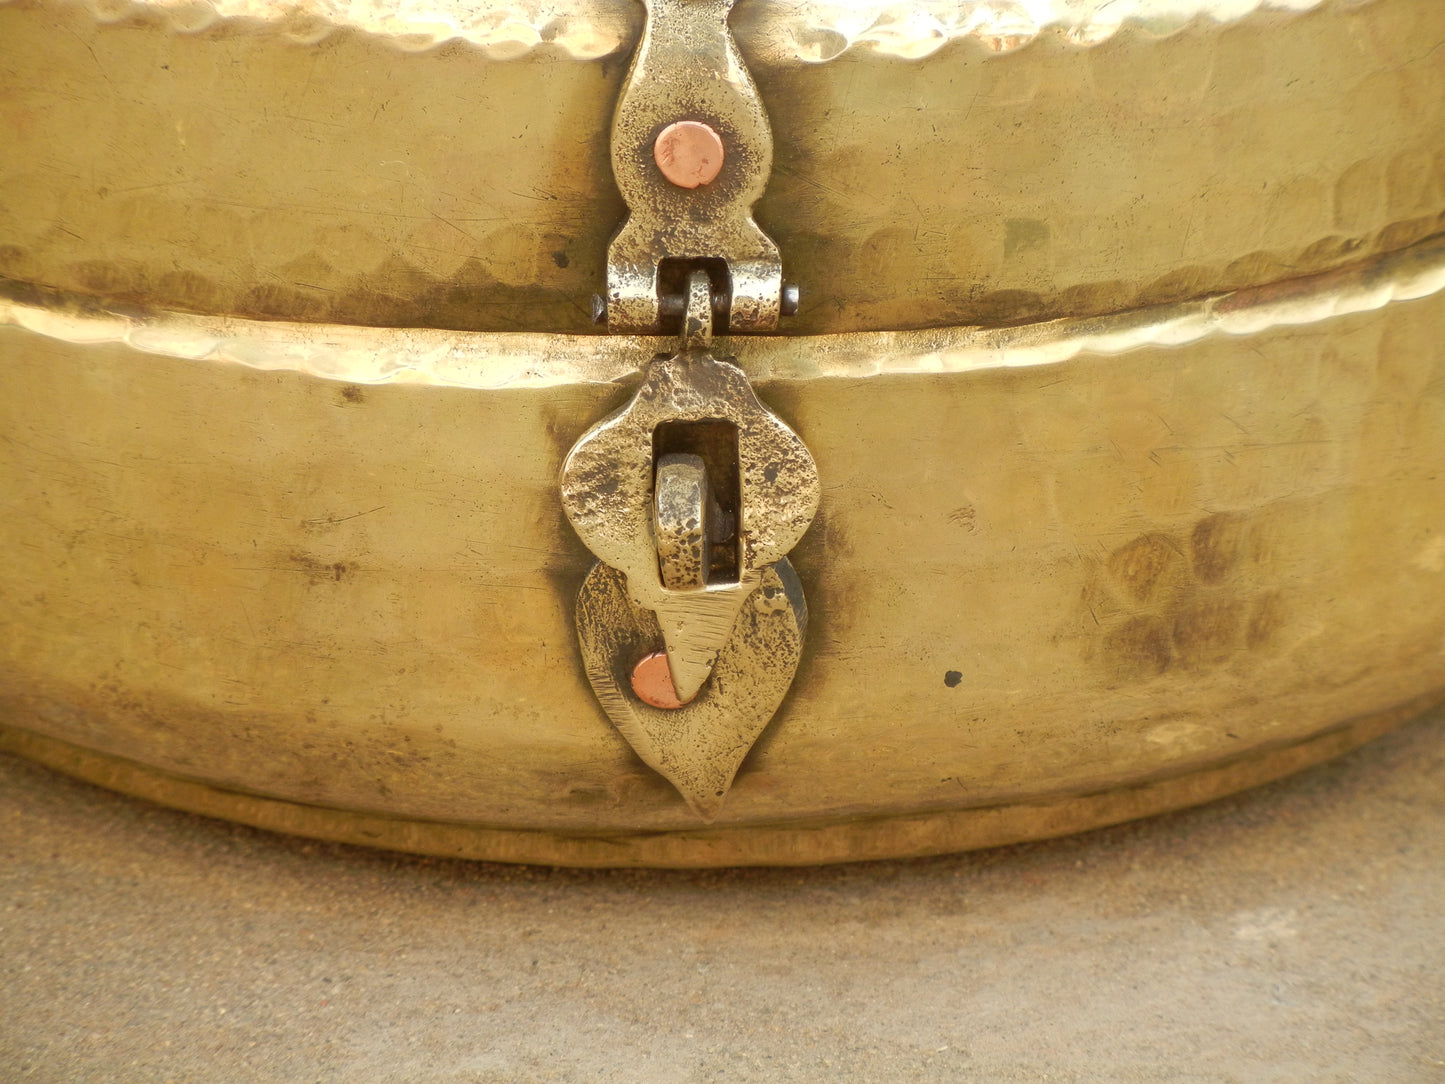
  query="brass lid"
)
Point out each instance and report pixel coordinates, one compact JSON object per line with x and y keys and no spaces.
{"x":940,"y":164}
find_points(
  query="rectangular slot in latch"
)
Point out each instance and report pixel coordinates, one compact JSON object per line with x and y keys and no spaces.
{"x":715,"y":442}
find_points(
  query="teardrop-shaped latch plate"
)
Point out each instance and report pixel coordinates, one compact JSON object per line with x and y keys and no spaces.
{"x":699,"y":746}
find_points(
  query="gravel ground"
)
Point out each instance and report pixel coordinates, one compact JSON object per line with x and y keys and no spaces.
{"x":1296,"y":933}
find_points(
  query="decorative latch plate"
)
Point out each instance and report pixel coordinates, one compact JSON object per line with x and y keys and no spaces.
{"x":691,"y":624}
{"x":688,"y":111}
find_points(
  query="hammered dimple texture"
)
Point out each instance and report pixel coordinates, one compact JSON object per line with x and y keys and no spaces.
{"x":237,"y":170}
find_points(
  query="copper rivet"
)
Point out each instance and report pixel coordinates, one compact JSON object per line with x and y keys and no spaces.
{"x":689,"y":153}
{"x":652,"y":682}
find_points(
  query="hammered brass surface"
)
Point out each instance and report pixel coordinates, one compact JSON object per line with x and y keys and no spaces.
{"x":1111,"y":554}
{"x":308,"y":163}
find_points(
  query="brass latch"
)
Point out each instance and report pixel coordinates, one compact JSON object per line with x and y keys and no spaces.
{"x":691,"y":153}
{"x":691,"y":624}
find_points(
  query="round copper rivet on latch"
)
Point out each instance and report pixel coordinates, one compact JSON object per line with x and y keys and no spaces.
{"x":689,"y":153}
{"x":652,"y":682}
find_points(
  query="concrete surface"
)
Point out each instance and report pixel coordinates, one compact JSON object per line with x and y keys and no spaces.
{"x":1292,"y":934}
